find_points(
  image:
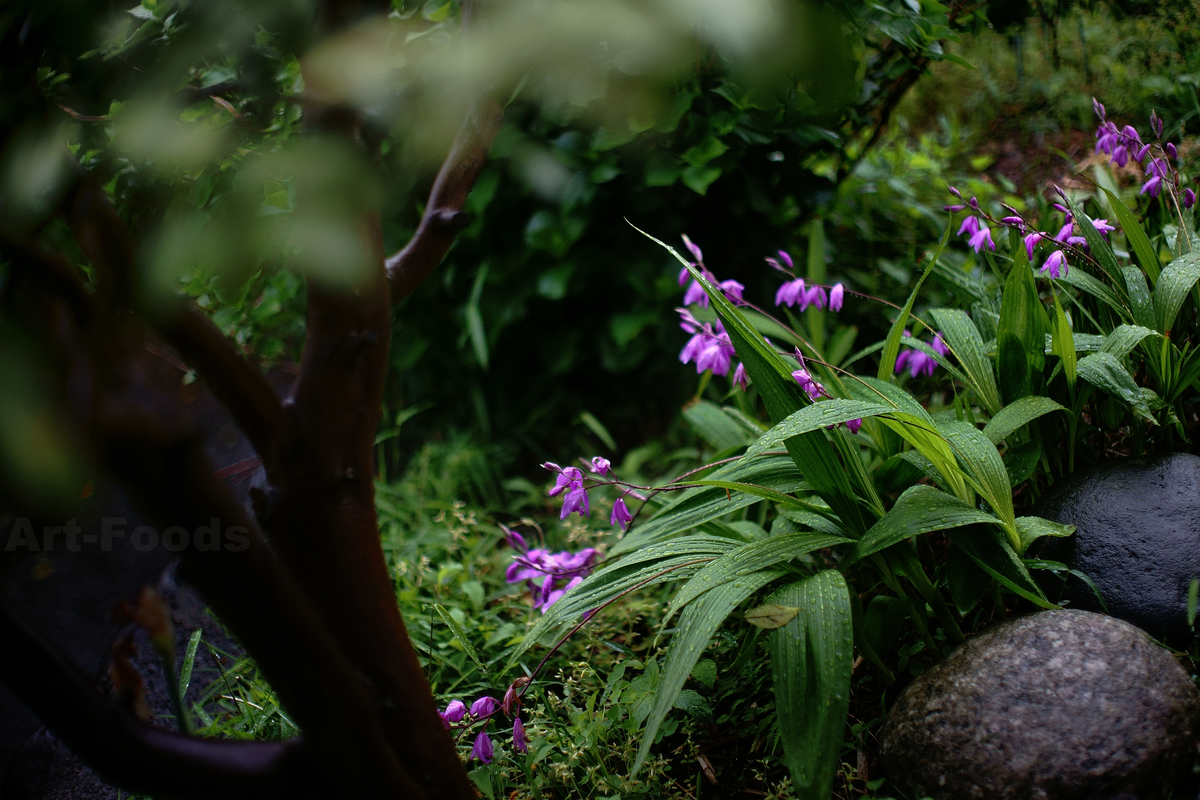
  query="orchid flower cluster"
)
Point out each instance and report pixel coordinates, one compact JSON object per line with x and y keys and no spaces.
{"x":549,"y":575}
{"x":571,"y":481}
{"x":457,"y":716}
{"x":1055,"y":264}
{"x":1125,"y":144}
{"x":1122,"y":145}
{"x":709,"y":346}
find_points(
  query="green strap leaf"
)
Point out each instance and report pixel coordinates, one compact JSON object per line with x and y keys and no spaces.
{"x":887,"y":361}
{"x":816,"y":417}
{"x":694,"y":507}
{"x":749,"y":559}
{"x":1104,"y":371}
{"x":1080,"y":279}
{"x":921,"y":509}
{"x":993,"y":555}
{"x":189,"y":662}
{"x":964,"y":340}
{"x":1136,"y":237}
{"x":1173,"y":286}
{"x":811,"y":661}
{"x":985,"y":469}
{"x":668,"y":561}
{"x":1101,"y":250}
{"x":461,"y":635}
{"x":1017,"y":415}
{"x":1139,"y":296}
{"x":697,"y":625}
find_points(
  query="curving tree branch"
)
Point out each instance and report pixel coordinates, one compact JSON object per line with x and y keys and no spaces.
{"x":444,"y":217}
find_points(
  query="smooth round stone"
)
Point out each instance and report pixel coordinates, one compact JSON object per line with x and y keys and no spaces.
{"x":1137,"y":538}
{"x":1060,"y":705}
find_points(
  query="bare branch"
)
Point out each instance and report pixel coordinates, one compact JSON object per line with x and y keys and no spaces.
{"x":444,"y":217}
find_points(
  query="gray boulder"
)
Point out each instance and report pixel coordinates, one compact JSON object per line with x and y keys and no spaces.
{"x":1137,"y":537}
{"x":1060,"y":705}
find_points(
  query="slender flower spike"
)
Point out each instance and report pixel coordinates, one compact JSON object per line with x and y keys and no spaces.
{"x":601,"y":465}
{"x":739,"y":377}
{"x":520,"y":742}
{"x":482,"y":749}
{"x":453,"y":713}
{"x":484,"y":707}
{"x":620,"y":514}
{"x":1056,"y":265}
{"x":836,"y":295}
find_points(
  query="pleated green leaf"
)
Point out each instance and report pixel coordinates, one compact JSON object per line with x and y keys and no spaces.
{"x":1124,"y":338}
{"x":1139,"y":296}
{"x":921,"y":509}
{"x":964,"y":340}
{"x":751,"y":558}
{"x":1034,"y":528}
{"x":985,"y":470}
{"x":993,"y":555}
{"x":697,"y":625}
{"x":676,"y":560}
{"x":1136,"y":237}
{"x":816,"y":417}
{"x":1104,"y":371}
{"x":1173,"y":286}
{"x":1100,"y":249}
{"x":1080,"y":279}
{"x":693,"y":507}
{"x":811,"y":660}
{"x":1017,"y":415}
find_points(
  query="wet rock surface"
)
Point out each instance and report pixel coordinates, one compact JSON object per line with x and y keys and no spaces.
{"x":1137,"y":538}
{"x":1060,"y":705}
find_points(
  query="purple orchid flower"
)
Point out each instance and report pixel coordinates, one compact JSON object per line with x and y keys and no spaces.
{"x":453,"y":713}
{"x":601,"y":466}
{"x":484,"y":707}
{"x":982,"y":238}
{"x":836,"y":295}
{"x":789,"y":293}
{"x":620,"y":514}
{"x":733,"y":291}
{"x":1031,"y":241}
{"x":482,"y":748}
{"x":1056,"y":265}
{"x":520,"y":742}
{"x":739,"y":377}
{"x":1189,"y":198}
